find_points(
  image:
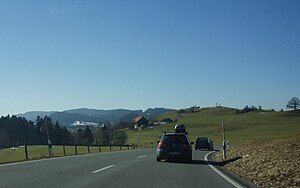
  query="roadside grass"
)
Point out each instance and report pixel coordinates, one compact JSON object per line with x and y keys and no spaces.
{"x":240,"y":128}
{"x":9,"y":155}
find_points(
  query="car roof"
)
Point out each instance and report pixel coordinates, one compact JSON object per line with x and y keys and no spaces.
{"x":172,"y":133}
{"x":203,"y":138}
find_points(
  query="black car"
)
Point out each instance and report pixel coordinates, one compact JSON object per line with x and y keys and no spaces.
{"x":174,"y":146}
{"x":204,"y":143}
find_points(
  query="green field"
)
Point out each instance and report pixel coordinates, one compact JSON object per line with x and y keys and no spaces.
{"x":240,"y":128}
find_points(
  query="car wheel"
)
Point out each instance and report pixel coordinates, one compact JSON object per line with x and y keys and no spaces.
{"x":158,"y":159}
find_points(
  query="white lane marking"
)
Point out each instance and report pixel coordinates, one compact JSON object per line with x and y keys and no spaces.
{"x":110,"y":166}
{"x":143,"y":156}
{"x":220,"y":173}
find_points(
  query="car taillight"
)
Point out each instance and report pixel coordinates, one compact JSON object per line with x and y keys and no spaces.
{"x":161,"y":145}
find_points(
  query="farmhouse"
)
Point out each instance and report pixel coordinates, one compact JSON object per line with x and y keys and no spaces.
{"x":165,"y":121}
{"x":140,"y":121}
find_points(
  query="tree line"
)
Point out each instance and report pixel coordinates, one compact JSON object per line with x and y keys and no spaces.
{"x":15,"y":131}
{"x":293,"y":103}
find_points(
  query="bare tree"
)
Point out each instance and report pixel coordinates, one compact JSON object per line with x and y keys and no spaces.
{"x":293,"y":103}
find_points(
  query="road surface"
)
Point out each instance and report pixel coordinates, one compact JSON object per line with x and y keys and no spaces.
{"x":134,"y":168}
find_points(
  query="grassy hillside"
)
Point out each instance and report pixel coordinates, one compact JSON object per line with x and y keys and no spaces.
{"x":240,"y":128}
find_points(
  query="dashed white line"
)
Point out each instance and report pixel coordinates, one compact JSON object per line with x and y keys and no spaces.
{"x":143,"y":156}
{"x":220,"y":173}
{"x":105,"y":168}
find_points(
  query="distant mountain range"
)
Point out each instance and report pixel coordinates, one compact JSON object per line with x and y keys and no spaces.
{"x":68,"y":117}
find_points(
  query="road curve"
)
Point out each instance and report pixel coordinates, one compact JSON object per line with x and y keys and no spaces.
{"x":134,"y":168}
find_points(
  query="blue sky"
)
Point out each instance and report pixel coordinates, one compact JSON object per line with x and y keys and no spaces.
{"x":58,"y":55}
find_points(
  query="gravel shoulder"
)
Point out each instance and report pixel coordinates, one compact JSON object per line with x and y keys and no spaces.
{"x":266,"y":163}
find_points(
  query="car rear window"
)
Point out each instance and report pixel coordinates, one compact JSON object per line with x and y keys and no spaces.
{"x":202,"y":140}
{"x":174,"y":139}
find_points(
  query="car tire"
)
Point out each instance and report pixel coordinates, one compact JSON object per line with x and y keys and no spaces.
{"x":158,"y":159}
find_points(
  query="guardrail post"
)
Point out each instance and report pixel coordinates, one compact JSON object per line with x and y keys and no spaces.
{"x":127,"y":146}
{"x":99,"y":148}
{"x":64,"y":149}
{"x":76,"y":149}
{"x":120,"y":148}
{"x":110,"y":148}
{"x":26,"y":152}
{"x":89,"y":149}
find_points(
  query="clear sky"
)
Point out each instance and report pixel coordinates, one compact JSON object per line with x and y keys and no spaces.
{"x":59,"y":55}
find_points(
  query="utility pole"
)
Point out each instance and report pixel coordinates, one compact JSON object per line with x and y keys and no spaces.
{"x":224,"y":142}
{"x":139,"y":137}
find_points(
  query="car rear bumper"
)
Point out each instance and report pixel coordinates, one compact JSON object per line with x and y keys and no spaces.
{"x":174,"y":155}
{"x":203,"y":147}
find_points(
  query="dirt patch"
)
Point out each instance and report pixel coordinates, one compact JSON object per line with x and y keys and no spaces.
{"x":266,"y":163}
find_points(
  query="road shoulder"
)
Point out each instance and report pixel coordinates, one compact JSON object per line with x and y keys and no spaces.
{"x":237,"y":181}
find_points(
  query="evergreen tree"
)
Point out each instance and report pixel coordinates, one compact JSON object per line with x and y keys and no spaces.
{"x":5,"y":140}
{"x":88,"y":136}
{"x":79,"y":137}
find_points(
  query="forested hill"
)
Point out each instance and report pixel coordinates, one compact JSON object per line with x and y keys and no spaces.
{"x":67,"y":117}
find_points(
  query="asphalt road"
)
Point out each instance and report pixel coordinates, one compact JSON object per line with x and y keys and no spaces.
{"x":134,"y":168}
